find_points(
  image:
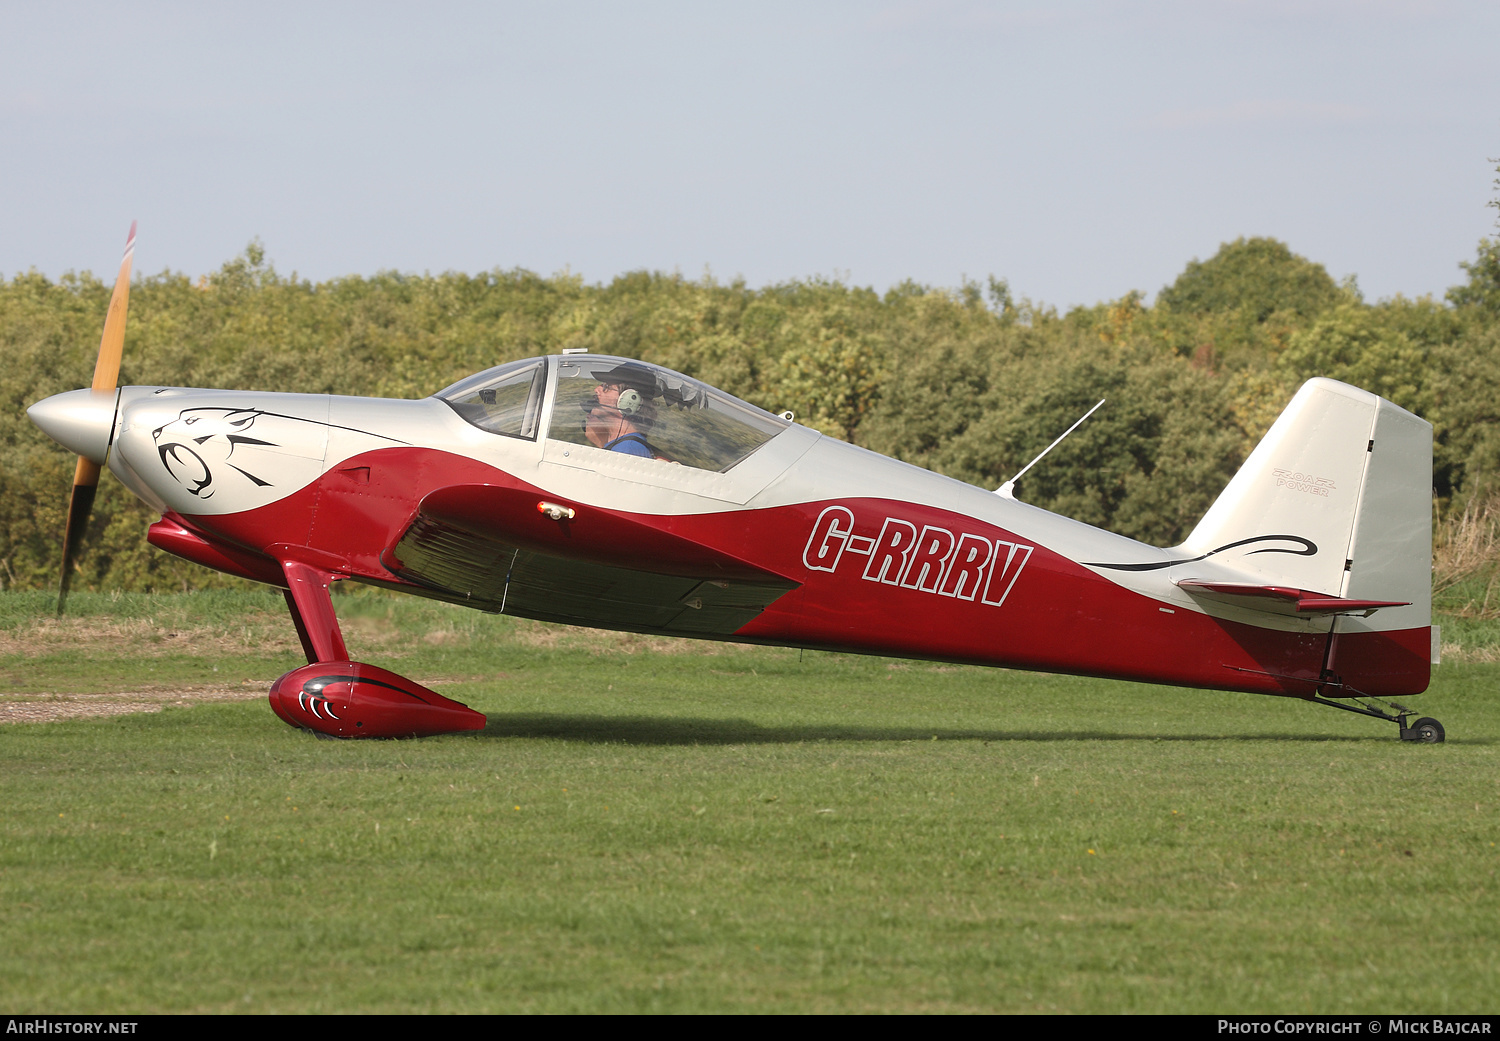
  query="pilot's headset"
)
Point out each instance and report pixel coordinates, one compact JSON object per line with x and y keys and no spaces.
{"x":630,"y":401}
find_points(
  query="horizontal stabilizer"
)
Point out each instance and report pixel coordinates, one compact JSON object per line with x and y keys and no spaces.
{"x":1283,"y":599}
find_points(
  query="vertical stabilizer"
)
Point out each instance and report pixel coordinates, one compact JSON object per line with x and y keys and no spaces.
{"x":1337,"y":500}
{"x":1288,"y":516}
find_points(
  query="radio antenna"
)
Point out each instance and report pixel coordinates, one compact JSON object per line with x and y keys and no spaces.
{"x":1008,"y":489}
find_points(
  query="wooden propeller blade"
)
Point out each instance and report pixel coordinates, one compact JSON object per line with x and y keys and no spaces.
{"x":80,"y":505}
{"x":112,"y":343}
{"x":106,"y":375}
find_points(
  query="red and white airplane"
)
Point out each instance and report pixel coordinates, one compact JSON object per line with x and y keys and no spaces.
{"x":607,"y":492}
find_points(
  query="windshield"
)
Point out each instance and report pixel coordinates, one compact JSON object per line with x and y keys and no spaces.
{"x":650,"y":412}
{"x":503,"y":400}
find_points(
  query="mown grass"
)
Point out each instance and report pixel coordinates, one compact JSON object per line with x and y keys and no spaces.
{"x":651,"y":825}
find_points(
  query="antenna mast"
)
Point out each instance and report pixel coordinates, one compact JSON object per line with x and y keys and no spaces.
{"x":1008,"y":489}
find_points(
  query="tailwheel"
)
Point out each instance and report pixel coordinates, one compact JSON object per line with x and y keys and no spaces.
{"x":1427,"y":730}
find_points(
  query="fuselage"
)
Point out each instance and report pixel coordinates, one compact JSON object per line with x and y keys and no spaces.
{"x":804,"y":541}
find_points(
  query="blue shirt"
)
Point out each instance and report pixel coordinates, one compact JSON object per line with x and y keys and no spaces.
{"x":631,"y":444}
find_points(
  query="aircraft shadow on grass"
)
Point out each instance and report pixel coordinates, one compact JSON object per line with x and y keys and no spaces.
{"x":658,"y":730}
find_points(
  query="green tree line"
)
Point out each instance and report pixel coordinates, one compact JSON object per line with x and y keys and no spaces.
{"x":969,"y":382}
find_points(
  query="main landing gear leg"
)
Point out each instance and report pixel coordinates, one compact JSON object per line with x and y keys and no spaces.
{"x":1425,"y":729}
{"x":312,"y":613}
{"x":335,"y":697}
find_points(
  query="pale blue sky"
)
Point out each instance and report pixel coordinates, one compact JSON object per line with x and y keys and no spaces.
{"x":1079,"y":150}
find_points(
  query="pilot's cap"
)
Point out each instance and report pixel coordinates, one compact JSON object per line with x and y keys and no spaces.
{"x":631,"y":374}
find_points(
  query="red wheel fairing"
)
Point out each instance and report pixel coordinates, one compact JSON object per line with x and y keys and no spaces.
{"x":352,"y":699}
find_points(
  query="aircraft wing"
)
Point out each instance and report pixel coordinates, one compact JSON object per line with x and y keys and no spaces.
{"x":497,"y":548}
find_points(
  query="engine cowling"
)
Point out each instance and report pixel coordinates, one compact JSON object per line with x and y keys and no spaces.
{"x":352,"y":699}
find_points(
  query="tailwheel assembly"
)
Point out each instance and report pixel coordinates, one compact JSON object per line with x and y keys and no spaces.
{"x":1426,"y":729}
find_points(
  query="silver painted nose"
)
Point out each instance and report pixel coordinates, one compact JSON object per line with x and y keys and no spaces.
{"x":79,"y":420}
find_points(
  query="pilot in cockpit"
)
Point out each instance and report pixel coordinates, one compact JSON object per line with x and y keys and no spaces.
{"x":623,"y":410}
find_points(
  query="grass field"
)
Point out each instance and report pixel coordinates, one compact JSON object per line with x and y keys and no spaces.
{"x":653,"y":825}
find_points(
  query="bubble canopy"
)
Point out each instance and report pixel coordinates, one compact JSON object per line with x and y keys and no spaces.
{"x":616,"y":404}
